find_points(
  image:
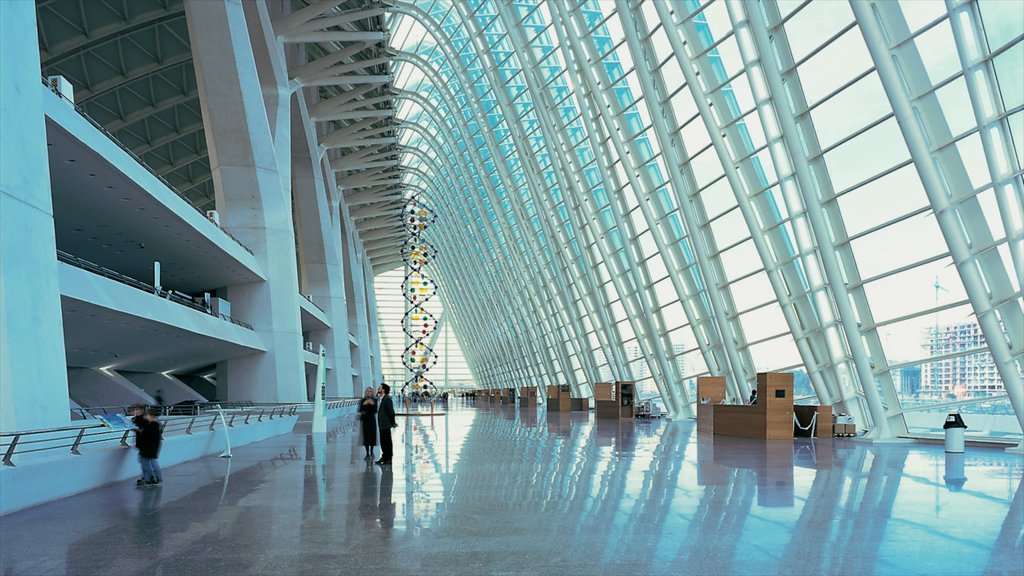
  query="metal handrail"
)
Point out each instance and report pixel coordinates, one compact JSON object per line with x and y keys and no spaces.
{"x":87,"y":412}
{"x":309,"y":299}
{"x":141,"y":162}
{"x":72,"y":438}
{"x":138,"y":284}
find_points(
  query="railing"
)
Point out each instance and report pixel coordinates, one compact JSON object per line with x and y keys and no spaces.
{"x":169,"y":410}
{"x":71,"y":439}
{"x":137,"y":284}
{"x":141,"y":162}
{"x":309,"y":299}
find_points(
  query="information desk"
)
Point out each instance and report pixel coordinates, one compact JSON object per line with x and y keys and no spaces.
{"x":710,"y":392}
{"x":528,"y":397}
{"x":509,"y":396}
{"x":614,"y":400}
{"x":579,"y":404}
{"x":559,"y":398}
{"x":771,"y":418}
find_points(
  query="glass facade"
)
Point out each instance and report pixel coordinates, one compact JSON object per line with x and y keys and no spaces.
{"x":655,"y":191}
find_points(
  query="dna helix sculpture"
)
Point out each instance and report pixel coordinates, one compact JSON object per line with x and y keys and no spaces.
{"x":418,"y":288}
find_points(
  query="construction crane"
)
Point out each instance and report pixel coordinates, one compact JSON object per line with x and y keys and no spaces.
{"x":934,"y":349}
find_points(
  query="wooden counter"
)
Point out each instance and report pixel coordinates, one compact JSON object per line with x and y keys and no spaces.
{"x":579,"y":404}
{"x":771,"y":418}
{"x":559,"y":398}
{"x":528,"y":397}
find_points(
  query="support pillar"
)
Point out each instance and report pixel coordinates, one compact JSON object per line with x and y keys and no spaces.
{"x":322,"y":274}
{"x":33,"y":375}
{"x":355,"y":290}
{"x":252,"y":200}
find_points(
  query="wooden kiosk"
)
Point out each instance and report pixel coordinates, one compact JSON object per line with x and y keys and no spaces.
{"x":579,"y":404}
{"x":771,"y":418}
{"x":528,"y":397}
{"x":508,"y":396}
{"x":559,"y":398}
{"x":614,"y":400}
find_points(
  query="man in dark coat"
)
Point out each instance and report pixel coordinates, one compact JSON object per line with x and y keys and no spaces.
{"x":148,"y":440}
{"x":385,"y":422}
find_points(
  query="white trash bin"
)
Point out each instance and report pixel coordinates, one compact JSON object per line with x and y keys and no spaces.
{"x":954,"y":428}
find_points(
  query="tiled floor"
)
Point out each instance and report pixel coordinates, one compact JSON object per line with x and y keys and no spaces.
{"x":502,"y":491}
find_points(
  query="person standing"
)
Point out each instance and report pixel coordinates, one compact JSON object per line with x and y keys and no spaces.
{"x":368,"y":418}
{"x":148,"y":440}
{"x":385,"y":422}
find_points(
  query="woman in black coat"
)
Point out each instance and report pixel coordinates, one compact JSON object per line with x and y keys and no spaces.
{"x":368,"y":418}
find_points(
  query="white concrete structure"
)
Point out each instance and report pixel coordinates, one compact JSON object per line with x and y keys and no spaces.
{"x":626,"y":190}
{"x":100,"y":193}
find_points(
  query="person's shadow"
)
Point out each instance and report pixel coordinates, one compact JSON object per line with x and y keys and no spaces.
{"x":385,"y":507}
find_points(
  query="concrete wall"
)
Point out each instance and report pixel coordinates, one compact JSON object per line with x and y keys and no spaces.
{"x":46,"y":479}
{"x":202,"y":386}
{"x":92,"y":387}
{"x":33,"y":384}
{"x":171,"y":389}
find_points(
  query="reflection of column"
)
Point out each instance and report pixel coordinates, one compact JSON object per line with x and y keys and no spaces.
{"x":722,"y":511}
{"x":251,"y":199}
{"x":818,"y":513}
{"x":868,"y":511}
{"x":661,"y":481}
{"x":385,"y":505}
{"x":33,"y":378}
{"x":1005,"y":558}
{"x":320,"y":465}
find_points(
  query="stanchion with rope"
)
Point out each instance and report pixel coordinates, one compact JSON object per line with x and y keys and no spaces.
{"x":812,"y":426}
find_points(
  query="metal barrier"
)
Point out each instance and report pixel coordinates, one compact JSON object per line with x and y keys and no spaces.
{"x":129,"y":281}
{"x":72,"y":438}
{"x":141,"y":162}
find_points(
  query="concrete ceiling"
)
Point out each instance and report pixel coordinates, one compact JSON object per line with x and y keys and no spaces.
{"x":103,"y":217}
{"x":97,"y":337}
{"x":130,"y":63}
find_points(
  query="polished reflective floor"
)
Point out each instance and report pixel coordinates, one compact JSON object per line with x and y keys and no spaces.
{"x":492,"y":490}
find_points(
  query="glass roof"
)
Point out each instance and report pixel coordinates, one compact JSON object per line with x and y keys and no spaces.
{"x":656,"y":191}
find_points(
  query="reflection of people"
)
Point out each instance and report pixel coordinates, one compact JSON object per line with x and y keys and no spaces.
{"x":753,"y":397}
{"x":368,"y":418}
{"x":385,"y":507}
{"x":385,"y":422}
{"x":148,"y":531}
{"x":368,"y":495}
{"x":147,"y":440}
{"x":159,"y":397}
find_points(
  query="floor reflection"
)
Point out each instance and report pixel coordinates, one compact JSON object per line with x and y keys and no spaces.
{"x":498,"y":489}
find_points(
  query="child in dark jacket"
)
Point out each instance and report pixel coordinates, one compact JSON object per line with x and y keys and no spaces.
{"x":148,"y":440}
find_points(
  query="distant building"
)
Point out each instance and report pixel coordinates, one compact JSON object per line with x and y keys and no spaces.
{"x":965,"y":376}
{"x":908,"y":381}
